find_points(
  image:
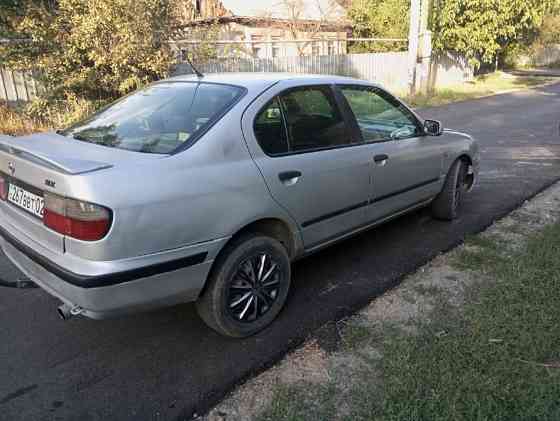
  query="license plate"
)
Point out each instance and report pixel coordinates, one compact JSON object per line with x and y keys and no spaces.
{"x":26,"y":200}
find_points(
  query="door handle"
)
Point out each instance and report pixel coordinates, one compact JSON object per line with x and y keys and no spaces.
{"x":289,"y":177}
{"x":380,"y":158}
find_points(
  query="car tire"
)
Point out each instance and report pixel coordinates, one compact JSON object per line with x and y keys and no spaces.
{"x":448,"y":202}
{"x":244,"y":294}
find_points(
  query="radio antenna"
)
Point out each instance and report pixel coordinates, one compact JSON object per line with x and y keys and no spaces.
{"x":195,"y":70}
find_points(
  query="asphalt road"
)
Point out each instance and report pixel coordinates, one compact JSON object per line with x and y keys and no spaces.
{"x":167,"y":365}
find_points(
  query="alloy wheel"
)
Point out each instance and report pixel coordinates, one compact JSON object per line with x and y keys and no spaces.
{"x":253,"y":288}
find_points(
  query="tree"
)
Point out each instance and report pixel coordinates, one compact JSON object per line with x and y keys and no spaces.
{"x":482,"y":29}
{"x":13,"y":11}
{"x":95,"y":49}
{"x":380,"y":19}
{"x":549,"y":32}
{"x":299,"y":25}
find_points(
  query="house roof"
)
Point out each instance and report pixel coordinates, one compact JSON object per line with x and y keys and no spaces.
{"x":326,"y":10}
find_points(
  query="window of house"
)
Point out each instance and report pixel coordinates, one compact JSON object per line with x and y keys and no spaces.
{"x":315,"y":48}
{"x":380,"y":117}
{"x":256,"y":48}
{"x":331,"y":48}
{"x":276,"y":48}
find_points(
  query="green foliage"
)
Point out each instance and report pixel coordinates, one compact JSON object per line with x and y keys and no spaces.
{"x":63,"y":112}
{"x":481,"y":29}
{"x":13,"y":11}
{"x":380,"y":19}
{"x":549,"y":32}
{"x":92,"y":49}
{"x":16,"y":123}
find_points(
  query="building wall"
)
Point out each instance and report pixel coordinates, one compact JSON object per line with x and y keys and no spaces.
{"x":268,"y":42}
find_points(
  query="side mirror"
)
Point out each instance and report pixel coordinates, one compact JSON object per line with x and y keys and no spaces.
{"x":433,"y":127}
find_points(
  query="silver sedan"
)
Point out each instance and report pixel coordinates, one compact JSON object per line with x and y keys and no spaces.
{"x":206,"y":189}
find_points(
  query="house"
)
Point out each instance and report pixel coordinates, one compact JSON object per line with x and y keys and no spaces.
{"x":267,"y":28}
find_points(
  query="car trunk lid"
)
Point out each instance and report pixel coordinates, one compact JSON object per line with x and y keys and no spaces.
{"x":55,"y":163}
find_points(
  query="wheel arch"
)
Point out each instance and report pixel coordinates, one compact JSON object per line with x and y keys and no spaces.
{"x":467,"y":159}
{"x":273,"y":227}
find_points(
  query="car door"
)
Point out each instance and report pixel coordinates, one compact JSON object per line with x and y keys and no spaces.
{"x":310,"y":159}
{"x":406,"y":165}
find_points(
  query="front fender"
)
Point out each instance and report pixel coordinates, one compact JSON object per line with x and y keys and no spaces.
{"x":462,"y":145}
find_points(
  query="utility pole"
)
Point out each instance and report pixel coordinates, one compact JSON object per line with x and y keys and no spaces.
{"x":413,"y":41}
{"x":419,"y":46}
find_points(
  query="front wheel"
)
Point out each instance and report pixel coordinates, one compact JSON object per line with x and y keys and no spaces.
{"x":247,"y":287}
{"x":447,"y":203}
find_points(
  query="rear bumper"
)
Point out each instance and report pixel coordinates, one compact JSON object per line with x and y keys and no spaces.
{"x":111,"y":294}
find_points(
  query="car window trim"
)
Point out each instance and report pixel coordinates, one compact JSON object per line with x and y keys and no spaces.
{"x":356,"y":137}
{"x":330,"y":87}
{"x":389,"y":98}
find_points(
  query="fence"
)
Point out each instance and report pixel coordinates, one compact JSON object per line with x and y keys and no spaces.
{"x":541,"y":57}
{"x":387,"y":69}
{"x":449,"y":69}
{"x":17,"y":86}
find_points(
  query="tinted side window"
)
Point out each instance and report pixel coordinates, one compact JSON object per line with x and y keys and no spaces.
{"x":270,"y":130}
{"x":379,"y":117}
{"x":313,"y":119}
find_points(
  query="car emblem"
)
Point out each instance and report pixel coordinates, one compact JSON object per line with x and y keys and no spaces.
{"x":11,"y":167}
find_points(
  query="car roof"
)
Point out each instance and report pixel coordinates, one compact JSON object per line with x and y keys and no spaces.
{"x":254,"y":80}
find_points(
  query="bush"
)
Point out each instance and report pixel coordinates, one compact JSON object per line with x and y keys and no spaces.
{"x":59,"y":113}
{"x":84,"y":54}
{"x":17,"y":123}
{"x":94,"y":50}
{"x":549,"y":33}
{"x":44,"y":114}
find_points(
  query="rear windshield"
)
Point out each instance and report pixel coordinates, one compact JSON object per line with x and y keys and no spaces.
{"x":157,"y":119}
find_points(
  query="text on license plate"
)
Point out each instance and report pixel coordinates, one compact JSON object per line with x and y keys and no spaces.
{"x":30,"y":202}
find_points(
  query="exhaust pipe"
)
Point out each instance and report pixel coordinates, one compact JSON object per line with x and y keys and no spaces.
{"x":66,"y":312}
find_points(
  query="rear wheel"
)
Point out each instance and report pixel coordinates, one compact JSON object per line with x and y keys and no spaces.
{"x":247,"y":287}
{"x":447,"y":203}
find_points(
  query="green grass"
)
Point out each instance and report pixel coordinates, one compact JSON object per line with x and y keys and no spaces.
{"x":495,"y":360}
{"x":481,"y":253}
{"x":354,"y":334}
{"x":300,"y":403}
{"x":481,"y":86}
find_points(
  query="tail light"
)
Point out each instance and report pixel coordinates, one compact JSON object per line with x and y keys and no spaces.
{"x":3,"y":188}
{"x":74,"y":218}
